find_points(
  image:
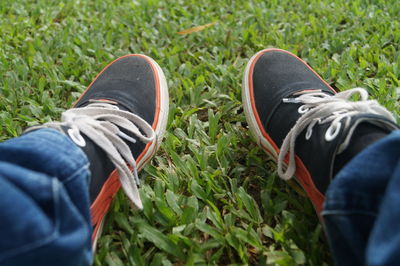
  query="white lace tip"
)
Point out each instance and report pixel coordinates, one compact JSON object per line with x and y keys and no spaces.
{"x":136,"y":205}
{"x":290,"y":100}
{"x":124,"y":136}
{"x":134,"y":197}
{"x":135,"y":174}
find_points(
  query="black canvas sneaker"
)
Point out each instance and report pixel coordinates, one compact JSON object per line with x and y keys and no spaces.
{"x":119,"y":122}
{"x":300,"y":121}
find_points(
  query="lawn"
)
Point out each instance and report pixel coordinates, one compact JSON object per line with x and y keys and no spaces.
{"x":211,"y":195}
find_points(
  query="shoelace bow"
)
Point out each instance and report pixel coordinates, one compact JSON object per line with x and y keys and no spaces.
{"x":319,"y":107}
{"x":101,"y":123}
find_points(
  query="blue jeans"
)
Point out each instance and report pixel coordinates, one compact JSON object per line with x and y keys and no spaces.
{"x":44,"y":202}
{"x":45,"y":220}
{"x":362,"y":207}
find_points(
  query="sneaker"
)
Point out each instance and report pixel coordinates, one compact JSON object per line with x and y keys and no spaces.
{"x":119,"y":122}
{"x":300,"y":121}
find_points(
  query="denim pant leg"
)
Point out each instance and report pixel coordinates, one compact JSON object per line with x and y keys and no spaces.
{"x":362,"y":207}
{"x":44,"y":202}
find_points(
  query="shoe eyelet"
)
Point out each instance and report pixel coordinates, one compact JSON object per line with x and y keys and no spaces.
{"x":302,"y":109}
{"x":76,"y":138}
{"x":333,"y":131}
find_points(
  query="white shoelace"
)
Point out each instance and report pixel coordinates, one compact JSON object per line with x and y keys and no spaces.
{"x":101,"y":123}
{"x":321,"y":108}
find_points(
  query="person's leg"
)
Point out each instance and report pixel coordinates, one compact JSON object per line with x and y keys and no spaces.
{"x":361,"y":211}
{"x":384,"y":242}
{"x":44,"y":218}
{"x":313,"y":132}
{"x":119,"y":122}
{"x":116,"y":126}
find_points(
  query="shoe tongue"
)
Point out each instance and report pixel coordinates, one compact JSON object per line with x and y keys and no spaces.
{"x":376,"y":120}
{"x":361,"y":135}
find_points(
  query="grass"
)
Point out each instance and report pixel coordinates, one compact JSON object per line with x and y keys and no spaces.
{"x":210,"y":195}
